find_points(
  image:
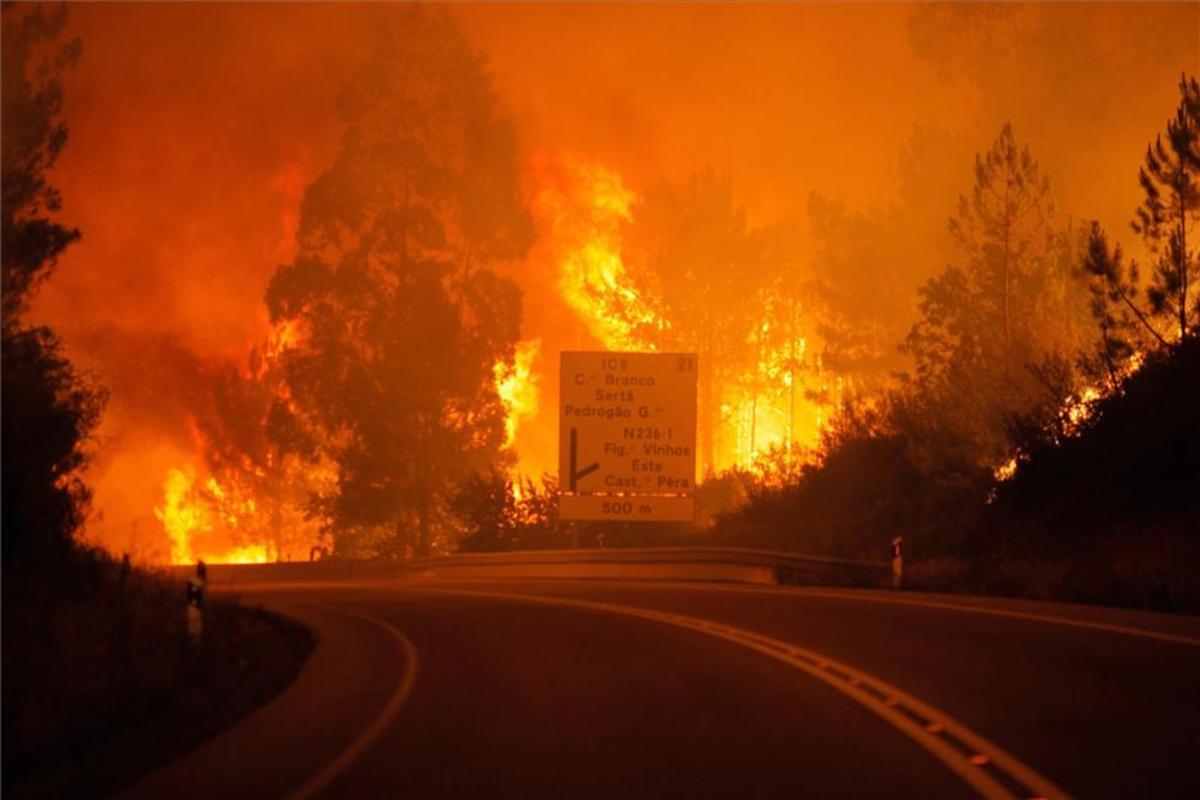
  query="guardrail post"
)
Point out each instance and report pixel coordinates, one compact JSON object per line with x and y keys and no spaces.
{"x":897,"y":561}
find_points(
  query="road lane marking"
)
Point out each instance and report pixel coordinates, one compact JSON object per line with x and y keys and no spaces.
{"x":983,"y":765}
{"x":868,"y":596}
{"x":1108,"y":627}
{"x":385,"y":718}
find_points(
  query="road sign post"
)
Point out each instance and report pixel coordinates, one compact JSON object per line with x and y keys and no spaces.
{"x":627,"y":436}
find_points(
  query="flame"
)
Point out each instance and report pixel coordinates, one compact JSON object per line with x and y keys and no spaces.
{"x":1006,"y":470}
{"x":203,"y":520}
{"x":249,"y":554}
{"x":181,"y":517}
{"x":772,"y":407}
{"x":1078,"y":410}
{"x":246,"y":512}
{"x":582,"y":209}
{"x":283,"y":336}
{"x":517,"y":385}
{"x":583,"y":219}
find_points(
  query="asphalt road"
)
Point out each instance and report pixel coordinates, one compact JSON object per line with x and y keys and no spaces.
{"x":625,"y":690}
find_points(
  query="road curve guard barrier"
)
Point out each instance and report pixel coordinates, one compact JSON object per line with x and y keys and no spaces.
{"x":727,"y":564}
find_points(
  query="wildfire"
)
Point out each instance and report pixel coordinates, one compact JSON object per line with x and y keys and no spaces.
{"x":249,"y":554}
{"x":517,"y":385}
{"x":766,"y":402}
{"x":181,"y":517}
{"x":203,"y":519}
{"x":583,"y":217}
{"x":1078,"y":411}
{"x":248,"y":507}
{"x":773,"y":408}
{"x":283,"y":336}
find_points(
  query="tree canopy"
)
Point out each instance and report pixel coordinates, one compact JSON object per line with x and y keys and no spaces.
{"x":401,"y":317}
{"x":49,"y":409}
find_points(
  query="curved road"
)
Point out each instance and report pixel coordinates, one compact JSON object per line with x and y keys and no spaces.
{"x":618,"y":689}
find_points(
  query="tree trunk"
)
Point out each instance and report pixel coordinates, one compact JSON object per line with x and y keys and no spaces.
{"x":423,"y":490}
{"x":791,"y":387}
{"x":754,"y":407}
{"x":1183,"y":273}
{"x":707,"y":426}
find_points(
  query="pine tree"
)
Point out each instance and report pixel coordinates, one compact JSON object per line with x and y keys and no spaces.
{"x":1168,"y":215}
{"x":1125,"y":329}
{"x":989,"y":322}
{"x":689,"y":248}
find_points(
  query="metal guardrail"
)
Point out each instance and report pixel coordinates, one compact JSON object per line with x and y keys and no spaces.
{"x":685,"y":563}
{"x":658,"y":563}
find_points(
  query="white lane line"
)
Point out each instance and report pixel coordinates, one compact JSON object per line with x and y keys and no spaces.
{"x":975,"y":759}
{"x":870,"y":596}
{"x":390,"y":709}
{"x":1000,"y":612}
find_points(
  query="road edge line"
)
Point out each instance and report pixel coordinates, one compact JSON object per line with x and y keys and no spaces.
{"x":391,"y":709}
{"x":1107,"y":627}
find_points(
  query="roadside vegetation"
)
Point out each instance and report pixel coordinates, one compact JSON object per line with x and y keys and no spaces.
{"x":1047,"y":443}
{"x":98,"y":667}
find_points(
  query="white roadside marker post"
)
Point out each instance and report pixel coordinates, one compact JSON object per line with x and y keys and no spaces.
{"x":897,"y":561}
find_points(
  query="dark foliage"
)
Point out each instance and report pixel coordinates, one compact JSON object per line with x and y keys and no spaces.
{"x":48,"y":411}
{"x":102,"y":683}
{"x":1169,"y":215}
{"x":872,"y":483}
{"x":497,"y":513}
{"x":1134,"y":465}
{"x":402,"y":317}
{"x":33,"y":136}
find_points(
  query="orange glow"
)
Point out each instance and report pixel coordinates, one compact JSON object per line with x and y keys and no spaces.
{"x":584,"y":219}
{"x":582,"y":208}
{"x":517,"y":385}
{"x":201,"y":519}
{"x":249,"y":554}
{"x":182,"y":518}
{"x":186,"y":216}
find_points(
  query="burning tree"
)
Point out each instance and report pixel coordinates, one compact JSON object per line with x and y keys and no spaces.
{"x":690,"y":250}
{"x":401,"y":320}
{"x":988,"y":327}
{"x":264,"y":467}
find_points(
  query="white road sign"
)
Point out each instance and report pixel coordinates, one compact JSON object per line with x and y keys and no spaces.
{"x":627,"y":436}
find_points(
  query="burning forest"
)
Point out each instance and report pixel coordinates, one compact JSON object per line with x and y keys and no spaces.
{"x":324,"y":276}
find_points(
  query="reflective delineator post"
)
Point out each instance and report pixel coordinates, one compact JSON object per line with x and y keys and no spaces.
{"x":897,"y":561}
{"x":195,"y":602}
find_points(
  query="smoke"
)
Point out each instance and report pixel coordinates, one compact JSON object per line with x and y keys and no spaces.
{"x":196,"y":127}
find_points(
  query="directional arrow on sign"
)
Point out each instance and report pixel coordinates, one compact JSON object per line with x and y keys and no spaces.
{"x":577,"y":473}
